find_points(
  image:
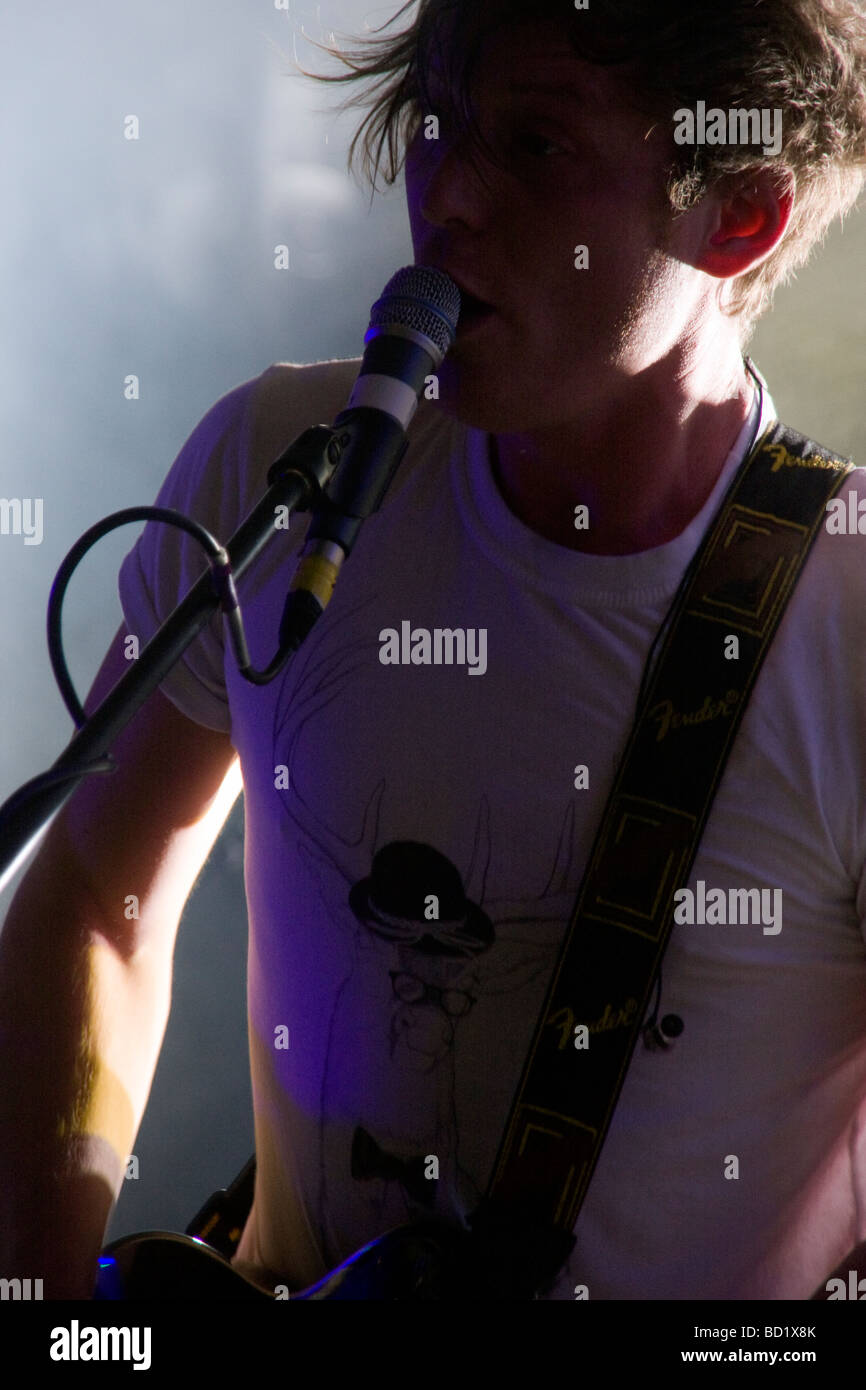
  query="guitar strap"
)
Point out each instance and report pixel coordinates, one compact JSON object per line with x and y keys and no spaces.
{"x":692,"y":700}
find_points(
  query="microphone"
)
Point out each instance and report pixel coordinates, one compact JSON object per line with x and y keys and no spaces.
{"x":412,"y":326}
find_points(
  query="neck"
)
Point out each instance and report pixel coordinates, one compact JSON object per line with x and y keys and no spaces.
{"x":643,"y":463}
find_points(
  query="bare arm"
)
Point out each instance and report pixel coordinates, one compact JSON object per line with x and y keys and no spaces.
{"x":85,"y":986}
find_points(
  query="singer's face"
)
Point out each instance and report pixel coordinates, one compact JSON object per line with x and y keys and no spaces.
{"x":582,"y":171}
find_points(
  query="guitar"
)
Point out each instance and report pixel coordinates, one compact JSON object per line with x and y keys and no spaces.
{"x":505,"y":1256}
{"x":411,"y":1263}
{"x":427,"y":1262}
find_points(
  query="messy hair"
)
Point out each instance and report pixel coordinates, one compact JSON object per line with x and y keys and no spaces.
{"x":806,"y":57}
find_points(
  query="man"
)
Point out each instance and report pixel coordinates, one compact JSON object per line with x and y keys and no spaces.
{"x":415,"y":836}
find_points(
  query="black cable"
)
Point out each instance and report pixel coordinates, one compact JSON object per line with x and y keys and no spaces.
{"x":223,"y":583}
{"x":217,"y":556}
{"x":52,"y":777}
{"x":221,"y":576}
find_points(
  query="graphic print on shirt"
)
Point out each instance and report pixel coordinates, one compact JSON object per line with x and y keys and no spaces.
{"x":430,"y":951}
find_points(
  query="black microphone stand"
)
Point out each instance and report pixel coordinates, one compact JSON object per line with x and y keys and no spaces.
{"x":296,"y":482}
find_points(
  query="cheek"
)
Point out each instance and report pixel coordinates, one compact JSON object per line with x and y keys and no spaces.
{"x":420,"y":162}
{"x":417,"y":174}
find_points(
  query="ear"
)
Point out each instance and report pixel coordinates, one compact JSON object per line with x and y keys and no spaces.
{"x":752,"y":216}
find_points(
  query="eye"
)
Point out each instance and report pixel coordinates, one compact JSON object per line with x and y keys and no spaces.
{"x":536,"y":144}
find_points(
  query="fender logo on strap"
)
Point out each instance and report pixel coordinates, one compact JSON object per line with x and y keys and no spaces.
{"x":614,"y":1016}
{"x":670,"y":718}
{"x":783,"y":458}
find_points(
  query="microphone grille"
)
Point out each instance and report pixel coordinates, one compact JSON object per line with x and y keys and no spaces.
{"x":422,"y":298}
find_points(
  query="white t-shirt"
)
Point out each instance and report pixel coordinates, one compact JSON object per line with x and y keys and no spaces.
{"x":735,"y":1166}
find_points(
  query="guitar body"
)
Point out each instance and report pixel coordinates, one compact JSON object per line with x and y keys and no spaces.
{"x":422,"y":1263}
{"x":412,"y":1263}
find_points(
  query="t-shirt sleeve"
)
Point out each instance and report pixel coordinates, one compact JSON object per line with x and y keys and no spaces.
{"x":208,"y":481}
{"x":217,"y":478}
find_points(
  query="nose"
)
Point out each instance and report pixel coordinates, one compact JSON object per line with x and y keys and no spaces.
{"x":448,"y":180}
